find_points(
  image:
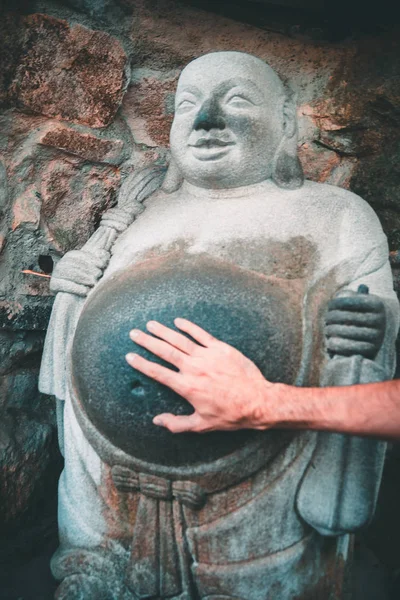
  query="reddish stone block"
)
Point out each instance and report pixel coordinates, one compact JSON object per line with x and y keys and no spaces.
{"x":26,"y":210}
{"x":146,"y":110}
{"x":87,"y":145}
{"x":71,"y":73}
{"x":73,"y":201}
{"x":318,"y":163}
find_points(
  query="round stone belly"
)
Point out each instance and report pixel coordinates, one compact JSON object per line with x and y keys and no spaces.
{"x":258,"y":316}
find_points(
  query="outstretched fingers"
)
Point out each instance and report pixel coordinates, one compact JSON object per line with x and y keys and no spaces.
{"x":179,"y":424}
{"x":179,"y":341}
{"x":157,"y":372}
{"x":158,"y":347}
{"x":197,"y":333}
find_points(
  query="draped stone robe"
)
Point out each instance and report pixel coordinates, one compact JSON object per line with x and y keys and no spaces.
{"x":258,"y":536}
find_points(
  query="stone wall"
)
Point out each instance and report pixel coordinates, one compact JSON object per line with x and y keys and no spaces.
{"x":86,"y":96}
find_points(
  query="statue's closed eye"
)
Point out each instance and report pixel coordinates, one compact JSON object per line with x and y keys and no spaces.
{"x":239,"y":101}
{"x":185,"y":104}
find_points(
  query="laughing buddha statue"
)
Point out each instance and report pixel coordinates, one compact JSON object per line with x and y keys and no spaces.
{"x":231,"y":237}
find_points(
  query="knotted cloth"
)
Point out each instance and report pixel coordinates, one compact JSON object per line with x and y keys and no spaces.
{"x":155,"y":568}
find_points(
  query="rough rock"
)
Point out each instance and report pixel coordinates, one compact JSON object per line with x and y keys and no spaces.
{"x":54,"y":202}
{"x":87,"y":144}
{"x":317,"y":163}
{"x":11,"y":43}
{"x":148,"y":108}
{"x":26,"y":313}
{"x":26,"y":454}
{"x":29,"y":453}
{"x":71,"y":73}
{"x":89,"y":190}
{"x":92,"y":7}
{"x":3,"y":189}
{"x":15,"y":348}
{"x":26,"y":210}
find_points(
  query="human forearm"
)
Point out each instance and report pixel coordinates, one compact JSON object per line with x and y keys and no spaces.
{"x":372,"y":409}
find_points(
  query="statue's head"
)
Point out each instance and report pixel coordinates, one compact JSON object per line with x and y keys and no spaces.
{"x":234,"y":125}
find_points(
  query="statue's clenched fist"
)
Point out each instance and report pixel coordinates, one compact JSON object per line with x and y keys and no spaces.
{"x":78,"y":271}
{"x":355,"y":324}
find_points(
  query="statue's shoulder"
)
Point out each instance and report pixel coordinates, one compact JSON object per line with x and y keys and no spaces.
{"x":336,"y":198}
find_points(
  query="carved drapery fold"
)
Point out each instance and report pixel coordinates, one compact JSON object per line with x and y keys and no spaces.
{"x":155,"y":566}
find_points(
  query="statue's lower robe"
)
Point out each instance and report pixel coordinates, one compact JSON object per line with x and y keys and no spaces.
{"x":246,"y":542}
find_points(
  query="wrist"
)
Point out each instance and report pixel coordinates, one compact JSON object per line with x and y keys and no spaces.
{"x":275,"y":407}
{"x":289,"y":407}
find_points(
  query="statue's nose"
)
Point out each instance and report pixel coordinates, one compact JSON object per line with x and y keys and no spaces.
{"x":209,"y":116}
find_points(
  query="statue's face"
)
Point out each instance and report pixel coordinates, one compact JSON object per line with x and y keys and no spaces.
{"x":228,"y":120}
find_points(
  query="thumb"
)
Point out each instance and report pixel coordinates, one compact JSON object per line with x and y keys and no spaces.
{"x":177,"y":424}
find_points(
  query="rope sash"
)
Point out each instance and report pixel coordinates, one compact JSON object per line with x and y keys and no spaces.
{"x":155,"y":566}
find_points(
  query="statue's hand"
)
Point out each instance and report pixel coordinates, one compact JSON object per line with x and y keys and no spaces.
{"x":355,"y":324}
{"x":79,"y":270}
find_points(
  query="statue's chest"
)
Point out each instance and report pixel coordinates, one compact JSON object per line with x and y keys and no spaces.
{"x":247,"y":233}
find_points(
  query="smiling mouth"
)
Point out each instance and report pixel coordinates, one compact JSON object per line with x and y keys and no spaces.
{"x":211,"y":143}
{"x":210,"y":149}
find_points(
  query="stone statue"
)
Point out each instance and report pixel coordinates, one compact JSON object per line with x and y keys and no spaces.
{"x":232,"y":238}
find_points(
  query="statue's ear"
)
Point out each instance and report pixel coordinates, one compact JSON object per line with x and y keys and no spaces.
{"x":287,"y":171}
{"x":173,"y":178}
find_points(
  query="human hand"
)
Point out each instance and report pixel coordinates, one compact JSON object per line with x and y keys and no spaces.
{"x":355,"y":324}
{"x":225,"y":388}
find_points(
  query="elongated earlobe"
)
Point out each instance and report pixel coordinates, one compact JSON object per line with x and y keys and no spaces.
{"x":287,"y":171}
{"x":173,"y":178}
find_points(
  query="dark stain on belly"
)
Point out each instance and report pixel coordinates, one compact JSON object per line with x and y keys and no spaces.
{"x":294,"y":259}
{"x":297,"y":258}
